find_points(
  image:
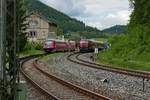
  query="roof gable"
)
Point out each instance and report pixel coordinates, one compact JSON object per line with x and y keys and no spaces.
{"x":42,"y":17}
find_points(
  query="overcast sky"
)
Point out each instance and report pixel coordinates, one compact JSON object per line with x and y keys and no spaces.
{"x":97,"y":13}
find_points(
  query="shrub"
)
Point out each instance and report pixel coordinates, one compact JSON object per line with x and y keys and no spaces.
{"x":39,"y":46}
{"x":28,"y":46}
{"x":33,"y":46}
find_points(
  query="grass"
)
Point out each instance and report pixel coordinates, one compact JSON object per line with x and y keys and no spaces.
{"x":30,"y":52}
{"x":126,"y":52}
{"x":123,"y":63}
{"x":102,"y":39}
{"x":31,"y":49}
{"x":46,"y":58}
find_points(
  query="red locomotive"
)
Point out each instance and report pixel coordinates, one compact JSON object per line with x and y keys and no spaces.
{"x":58,"y":45}
{"x":89,"y":45}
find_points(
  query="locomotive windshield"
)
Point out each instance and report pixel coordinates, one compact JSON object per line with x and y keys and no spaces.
{"x":48,"y":42}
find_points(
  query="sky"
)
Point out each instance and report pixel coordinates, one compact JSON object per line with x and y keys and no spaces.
{"x":96,"y":13}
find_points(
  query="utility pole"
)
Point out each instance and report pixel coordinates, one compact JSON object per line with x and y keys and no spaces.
{"x":11,"y":47}
{"x":8,"y":61}
{"x":1,"y":37}
{"x":3,"y":79}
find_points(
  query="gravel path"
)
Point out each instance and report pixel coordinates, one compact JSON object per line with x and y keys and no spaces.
{"x":116,"y":86}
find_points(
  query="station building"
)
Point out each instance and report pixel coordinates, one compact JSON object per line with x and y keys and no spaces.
{"x":39,"y":28}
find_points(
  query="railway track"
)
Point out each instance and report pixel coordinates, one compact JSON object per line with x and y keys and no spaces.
{"x":29,"y":79}
{"x":78,"y":60}
{"x":83,"y":91}
{"x":70,"y":90}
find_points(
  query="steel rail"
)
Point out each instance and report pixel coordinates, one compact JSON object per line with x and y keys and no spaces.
{"x":78,"y":60}
{"x":28,"y":78}
{"x":77,"y":88}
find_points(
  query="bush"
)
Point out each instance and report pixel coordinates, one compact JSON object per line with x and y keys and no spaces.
{"x":39,"y":46}
{"x":33,"y":46}
{"x":28,"y":46}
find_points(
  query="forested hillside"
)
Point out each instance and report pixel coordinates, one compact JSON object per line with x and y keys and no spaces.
{"x":137,"y":43}
{"x":65,"y":23}
{"x":117,"y":29}
{"x":132,"y":49}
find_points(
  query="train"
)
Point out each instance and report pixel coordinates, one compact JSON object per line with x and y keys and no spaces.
{"x":84,"y":45}
{"x":53,"y":45}
{"x":90,"y":45}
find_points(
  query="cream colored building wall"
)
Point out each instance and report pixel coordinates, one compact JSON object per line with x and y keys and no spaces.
{"x":42,"y":28}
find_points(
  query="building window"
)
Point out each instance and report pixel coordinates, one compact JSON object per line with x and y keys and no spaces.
{"x":32,"y":34}
{"x":33,"y":23}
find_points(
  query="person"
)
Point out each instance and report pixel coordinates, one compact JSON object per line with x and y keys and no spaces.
{"x":106,"y":45}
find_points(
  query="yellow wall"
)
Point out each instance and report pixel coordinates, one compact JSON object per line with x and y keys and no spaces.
{"x":42,"y":27}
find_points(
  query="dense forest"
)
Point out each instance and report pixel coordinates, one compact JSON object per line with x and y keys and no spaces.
{"x":139,"y":31}
{"x":132,"y":48}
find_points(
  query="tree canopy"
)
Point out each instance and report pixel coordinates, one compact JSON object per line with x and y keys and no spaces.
{"x":136,"y":43}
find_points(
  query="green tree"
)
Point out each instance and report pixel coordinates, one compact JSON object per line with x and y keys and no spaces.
{"x":138,"y":28}
{"x":21,"y":25}
{"x":135,"y":45}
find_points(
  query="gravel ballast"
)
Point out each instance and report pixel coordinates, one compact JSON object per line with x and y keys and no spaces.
{"x":116,"y":86}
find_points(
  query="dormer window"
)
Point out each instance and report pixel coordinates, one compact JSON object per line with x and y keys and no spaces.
{"x":33,"y":23}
